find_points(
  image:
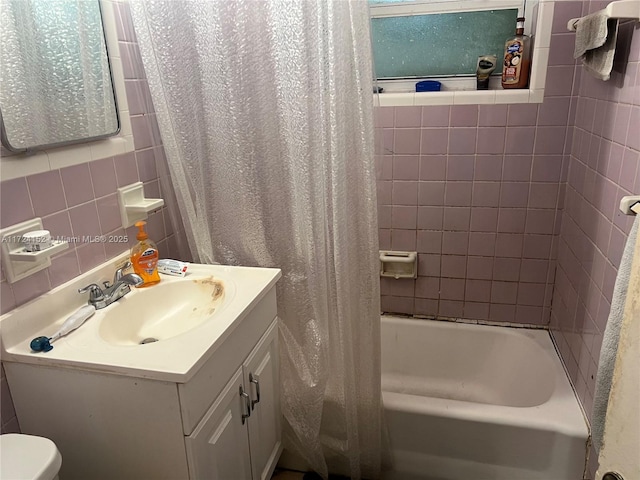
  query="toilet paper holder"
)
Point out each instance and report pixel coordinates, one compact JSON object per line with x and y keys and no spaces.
{"x":398,"y":264}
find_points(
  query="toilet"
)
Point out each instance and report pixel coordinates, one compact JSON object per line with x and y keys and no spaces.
{"x":27,"y":457}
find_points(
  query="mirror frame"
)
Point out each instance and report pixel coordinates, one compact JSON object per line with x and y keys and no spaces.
{"x":4,"y":140}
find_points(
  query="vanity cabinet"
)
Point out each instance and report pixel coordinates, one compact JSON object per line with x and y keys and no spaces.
{"x":209,"y":426}
{"x":239,"y":436}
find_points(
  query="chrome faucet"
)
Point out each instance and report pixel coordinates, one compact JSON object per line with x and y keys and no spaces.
{"x":100,"y":298}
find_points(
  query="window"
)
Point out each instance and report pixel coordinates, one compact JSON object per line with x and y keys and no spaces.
{"x":434,"y":38}
{"x":422,"y":39}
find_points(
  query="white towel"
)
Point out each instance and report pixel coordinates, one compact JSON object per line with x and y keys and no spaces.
{"x":596,"y":36}
{"x":609,"y":348}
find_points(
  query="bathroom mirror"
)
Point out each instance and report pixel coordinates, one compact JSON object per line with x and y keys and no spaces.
{"x":56,"y":86}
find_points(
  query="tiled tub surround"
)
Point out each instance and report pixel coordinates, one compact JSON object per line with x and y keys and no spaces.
{"x":81,"y":200}
{"x":478,"y":191}
{"x":604,"y":166}
{"x":478,"y":201}
{"x":485,"y":192}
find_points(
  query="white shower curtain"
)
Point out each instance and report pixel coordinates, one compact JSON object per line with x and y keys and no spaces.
{"x":265,"y":110}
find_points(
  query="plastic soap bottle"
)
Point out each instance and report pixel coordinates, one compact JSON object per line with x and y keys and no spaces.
{"x":144,"y":257}
{"x":516,"y":66}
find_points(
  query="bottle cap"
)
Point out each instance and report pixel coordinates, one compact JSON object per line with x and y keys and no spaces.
{"x":141,"y":235}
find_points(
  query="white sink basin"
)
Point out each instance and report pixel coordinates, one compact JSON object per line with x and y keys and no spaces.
{"x":165,"y":310}
{"x":188,"y":317}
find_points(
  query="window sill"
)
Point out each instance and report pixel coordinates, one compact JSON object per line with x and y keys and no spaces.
{"x":459,"y":97}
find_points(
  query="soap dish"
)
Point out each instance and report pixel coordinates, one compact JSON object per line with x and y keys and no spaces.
{"x":398,"y":264}
{"x":134,"y":206}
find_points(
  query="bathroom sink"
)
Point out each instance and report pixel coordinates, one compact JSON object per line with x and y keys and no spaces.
{"x":163,"y":332}
{"x":162,"y":311}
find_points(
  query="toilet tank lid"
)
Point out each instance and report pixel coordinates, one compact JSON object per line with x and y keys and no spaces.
{"x":27,"y":457}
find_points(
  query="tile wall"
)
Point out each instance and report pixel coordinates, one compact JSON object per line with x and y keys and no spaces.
{"x":604,"y":165}
{"x":489,"y":196}
{"x":477,"y":191}
{"x":494,"y":197}
{"x":82,"y":201}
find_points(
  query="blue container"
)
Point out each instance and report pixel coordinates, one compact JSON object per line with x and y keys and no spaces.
{"x":428,"y":86}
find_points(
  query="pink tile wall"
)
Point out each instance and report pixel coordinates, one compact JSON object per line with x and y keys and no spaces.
{"x":81,"y":200}
{"x":478,"y":192}
{"x":491,"y":196}
{"x":474,"y":190}
{"x":603,"y":166}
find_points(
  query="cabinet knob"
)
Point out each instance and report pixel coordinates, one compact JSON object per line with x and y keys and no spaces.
{"x":256,"y":381}
{"x":245,"y":396}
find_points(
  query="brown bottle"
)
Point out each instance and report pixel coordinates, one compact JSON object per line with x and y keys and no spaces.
{"x":517,"y":62}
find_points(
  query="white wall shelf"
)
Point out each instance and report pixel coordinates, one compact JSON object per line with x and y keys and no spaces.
{"x":398,"y":264}
{"x":630,"y":205}
{"x":134,"y":206}
{"x":16,"y":261}
{"x":22,"y":255}
{"x":621,"y":9}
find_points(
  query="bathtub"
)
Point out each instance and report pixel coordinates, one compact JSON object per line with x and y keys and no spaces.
{"x":477,"y":402}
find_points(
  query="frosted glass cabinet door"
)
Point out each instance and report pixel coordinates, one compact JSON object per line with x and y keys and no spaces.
{"x":218,"y":449}
{"x":261,"y":375}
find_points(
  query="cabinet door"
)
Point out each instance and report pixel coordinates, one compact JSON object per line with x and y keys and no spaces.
{"x":218,"y":449}
{"x":261,"y":376}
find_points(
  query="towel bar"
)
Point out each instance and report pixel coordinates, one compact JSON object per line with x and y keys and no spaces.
{"x":618,"y":9}
{"x":630,"y":205}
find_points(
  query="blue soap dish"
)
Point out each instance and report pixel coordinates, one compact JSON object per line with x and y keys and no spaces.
{"x":428,"y":86}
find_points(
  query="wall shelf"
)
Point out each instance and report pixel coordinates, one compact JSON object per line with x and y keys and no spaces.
{"x":398,"y":264}
{"x":134,"y":206}
{"x":16,"y":261}
{"x":630,"y":205}
{"x":621,"y":9}
{"x":21,"y":255}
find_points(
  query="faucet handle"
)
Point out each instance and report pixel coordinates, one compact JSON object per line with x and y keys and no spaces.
{"x":95,"y":292}
{"x":118,"y":275}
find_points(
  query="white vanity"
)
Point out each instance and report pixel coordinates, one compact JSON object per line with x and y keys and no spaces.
{"x":201,"y":402}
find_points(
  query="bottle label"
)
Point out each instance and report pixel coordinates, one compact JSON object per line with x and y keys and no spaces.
{"x":148,"y":260}
{"x":514,"y":50}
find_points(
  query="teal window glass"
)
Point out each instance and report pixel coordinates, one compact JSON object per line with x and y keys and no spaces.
{"x":439,"y":44}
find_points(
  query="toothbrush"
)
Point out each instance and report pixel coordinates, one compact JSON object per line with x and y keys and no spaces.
{"x":43,"y":344}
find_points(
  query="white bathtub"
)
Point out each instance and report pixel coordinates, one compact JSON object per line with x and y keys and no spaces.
{"x":477,"y":402}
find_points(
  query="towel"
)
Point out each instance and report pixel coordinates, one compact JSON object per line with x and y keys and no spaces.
{"x":609,"y":348}
{"x":596,"y":36}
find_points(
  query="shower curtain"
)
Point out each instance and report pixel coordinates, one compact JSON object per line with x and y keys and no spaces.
{"x":265,"y":111}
